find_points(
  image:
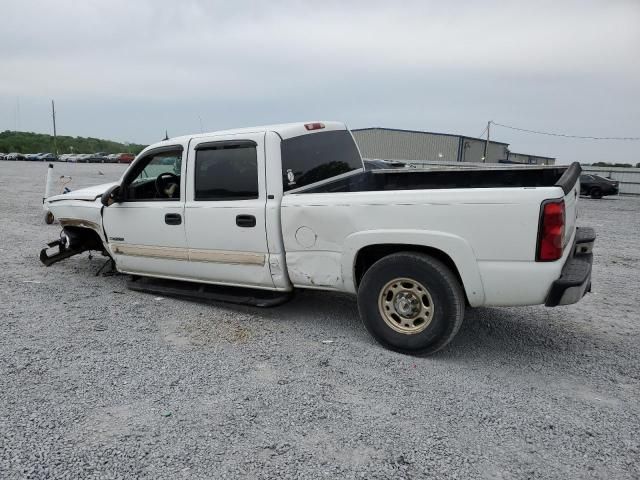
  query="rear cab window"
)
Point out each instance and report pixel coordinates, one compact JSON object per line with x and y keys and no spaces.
{"x":312,"y":158}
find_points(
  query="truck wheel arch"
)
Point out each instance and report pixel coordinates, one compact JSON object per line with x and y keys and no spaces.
{"x":85,"y":236}
{"x":363,"y":249}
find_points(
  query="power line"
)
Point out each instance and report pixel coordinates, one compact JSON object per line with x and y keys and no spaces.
{"x":586,"y":137}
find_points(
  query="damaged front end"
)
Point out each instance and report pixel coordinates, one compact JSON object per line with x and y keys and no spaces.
{"x":72,"y":241}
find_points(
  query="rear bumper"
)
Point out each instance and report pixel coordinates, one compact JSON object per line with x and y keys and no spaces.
{"x":575,"y":279}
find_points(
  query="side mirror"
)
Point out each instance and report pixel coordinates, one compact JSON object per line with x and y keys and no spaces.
{"x":111,"y":196}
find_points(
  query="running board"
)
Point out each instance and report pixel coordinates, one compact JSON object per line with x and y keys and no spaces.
{"x":208,"y":293}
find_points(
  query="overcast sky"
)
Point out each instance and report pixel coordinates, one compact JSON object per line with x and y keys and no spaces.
{"x":127,"y":70}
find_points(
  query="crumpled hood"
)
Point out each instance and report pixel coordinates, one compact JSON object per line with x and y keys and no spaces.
{"x":89,"y":193}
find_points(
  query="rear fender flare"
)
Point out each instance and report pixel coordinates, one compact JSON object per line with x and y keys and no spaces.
{"x":455,"y":247}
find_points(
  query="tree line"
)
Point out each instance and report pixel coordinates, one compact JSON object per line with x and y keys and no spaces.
{"x":29,"y":142}
{"x":605,"y":164}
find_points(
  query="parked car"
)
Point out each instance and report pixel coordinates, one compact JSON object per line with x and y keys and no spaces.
{"x":597,"y":186}
{"x":14,"y":156}
{"x":33,"y":157}
{"x":98,"y":157}
{"x":125,"y":157}
{"x":3,"y":156}
{"x":48,"y":157}
{"x":112,"y":158}
{"x":293,"y":207}
{"x":83,"y":157}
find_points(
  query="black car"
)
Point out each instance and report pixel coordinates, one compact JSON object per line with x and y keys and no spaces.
{"x":98,"y":157}
{"x":597,"y":186}
{"x":48,"y":157}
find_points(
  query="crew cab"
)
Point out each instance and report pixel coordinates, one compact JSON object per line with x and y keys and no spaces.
{"x":284,"y":207}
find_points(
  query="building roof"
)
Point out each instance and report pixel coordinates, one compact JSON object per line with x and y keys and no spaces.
{"x":427,"y":133}
{"x":531,"y":155}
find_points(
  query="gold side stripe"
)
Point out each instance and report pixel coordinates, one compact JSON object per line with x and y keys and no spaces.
{"x":193,"y":255}
{"x":152,"y":252}
{"x":222,"y":256}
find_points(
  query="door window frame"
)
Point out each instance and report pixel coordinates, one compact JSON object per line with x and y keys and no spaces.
{"x":222,"y":143}
{"x":139,"y":164}
{"x":257,"y":137}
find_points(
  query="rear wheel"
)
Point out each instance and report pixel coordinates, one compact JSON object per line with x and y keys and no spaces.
{"x":596,"y":193}
{"x":411,"y":303}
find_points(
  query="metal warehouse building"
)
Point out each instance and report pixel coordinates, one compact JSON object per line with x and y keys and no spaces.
{"x":394,"y":144}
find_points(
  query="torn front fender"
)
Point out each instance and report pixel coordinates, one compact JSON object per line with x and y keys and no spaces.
{"x":61,"y":253}
{"x":73,"y":240}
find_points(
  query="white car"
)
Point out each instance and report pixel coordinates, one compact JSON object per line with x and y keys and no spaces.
{"x":283,"y":207}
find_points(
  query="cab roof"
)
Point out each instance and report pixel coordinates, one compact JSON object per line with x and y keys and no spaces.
{"x":284,"y":130}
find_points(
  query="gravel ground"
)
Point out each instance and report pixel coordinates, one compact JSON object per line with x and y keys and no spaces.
{"x":97,"y":381}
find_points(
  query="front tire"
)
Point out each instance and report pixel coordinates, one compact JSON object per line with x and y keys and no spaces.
{"x":411,"y":303}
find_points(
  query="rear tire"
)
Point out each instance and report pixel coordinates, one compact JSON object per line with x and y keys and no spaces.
{"x":596,"y":193}
{"x":411,"y":303}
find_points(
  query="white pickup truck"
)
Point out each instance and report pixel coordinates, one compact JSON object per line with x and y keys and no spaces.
{"x":290,"y":206}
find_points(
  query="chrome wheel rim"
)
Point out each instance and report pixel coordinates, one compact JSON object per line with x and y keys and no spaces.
{"x":406,"y":306}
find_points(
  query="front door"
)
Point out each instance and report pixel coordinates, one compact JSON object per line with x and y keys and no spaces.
{"x":145,"y":230}
{"x":225,"y":210}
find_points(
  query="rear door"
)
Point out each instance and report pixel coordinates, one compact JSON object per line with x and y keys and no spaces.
{"x":225,"y":210}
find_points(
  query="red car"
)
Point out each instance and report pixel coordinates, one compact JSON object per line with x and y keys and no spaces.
{"x":125,"y":157}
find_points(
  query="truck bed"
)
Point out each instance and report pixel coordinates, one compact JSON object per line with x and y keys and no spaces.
{"x":451,"y":177}
{"x":485,"y":220}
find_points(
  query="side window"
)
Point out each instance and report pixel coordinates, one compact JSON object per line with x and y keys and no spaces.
{"x":226,"y":171}
{"x":317,"y":156}
{"x":156,"y":177}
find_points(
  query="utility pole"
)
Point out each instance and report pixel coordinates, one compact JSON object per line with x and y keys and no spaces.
{"x":55,"y":140}
{"x":17,"y":114}
{"x":486,"y":144}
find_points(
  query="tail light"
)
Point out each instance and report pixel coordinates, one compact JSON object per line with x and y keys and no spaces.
{"x":551,"y":231}
{"x":314,"y":126}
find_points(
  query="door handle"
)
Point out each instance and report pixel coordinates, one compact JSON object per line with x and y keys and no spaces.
{"x":246,"y":221}
{"x":173,"y":219}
